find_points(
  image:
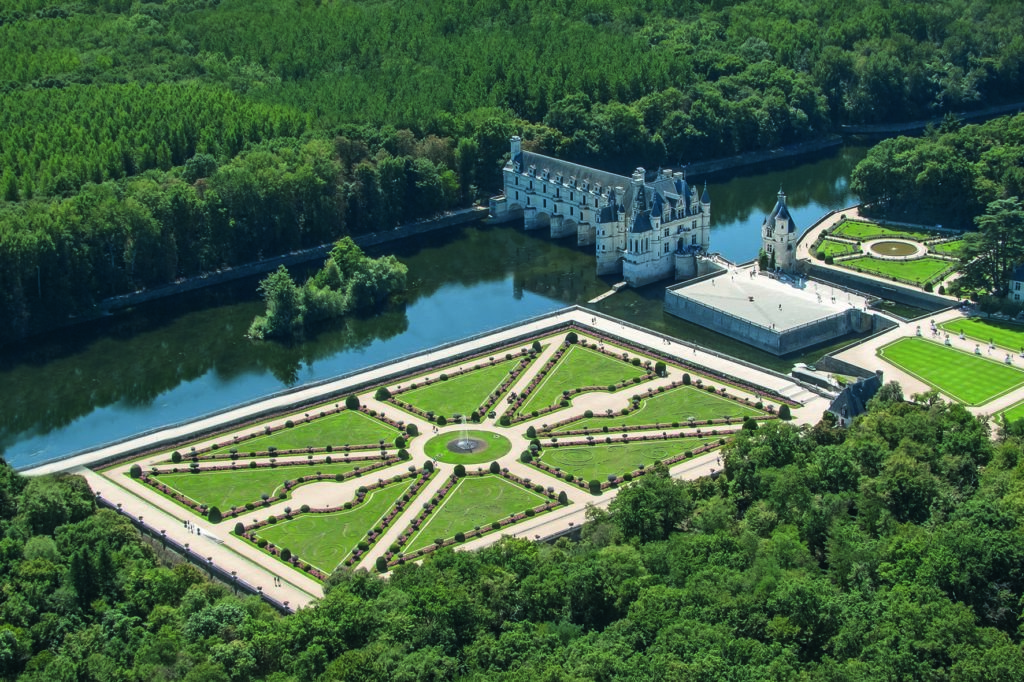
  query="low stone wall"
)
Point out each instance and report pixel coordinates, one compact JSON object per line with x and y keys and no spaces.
{"x":773,"y":341}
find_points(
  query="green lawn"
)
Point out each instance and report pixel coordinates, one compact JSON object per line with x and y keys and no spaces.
{"x":226,"y":489}
{"x":970,"y":379}
{"x":579,"y":367}
{"x":1003,"y":334}
{"x":462,"y":394}
{"x":954,"y":248}
{"x":920,"y":270}
{"x":497,"y":446}
{"x":474,"y":501}
{"x":677,"y":405}
{"x":1013,"y":413}
{"x":598,"y":461}
{"x":834,"y":248}
{"x":859,"y":229}
{"x":324,"y":540}
{"x":348,"y":427}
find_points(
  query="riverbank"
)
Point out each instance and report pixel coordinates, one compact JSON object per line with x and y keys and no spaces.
{"x":890,"y":129}
{"x":789,"y":151}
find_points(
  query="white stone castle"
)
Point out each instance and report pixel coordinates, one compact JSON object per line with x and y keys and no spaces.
{"x":645,"y":230}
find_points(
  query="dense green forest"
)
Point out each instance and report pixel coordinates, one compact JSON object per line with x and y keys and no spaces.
{"x":892,"y":550}
{"x":145,"y":141}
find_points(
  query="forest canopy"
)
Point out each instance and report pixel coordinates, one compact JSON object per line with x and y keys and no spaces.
{"x":311,"y":120}
{"x":892,"y":549}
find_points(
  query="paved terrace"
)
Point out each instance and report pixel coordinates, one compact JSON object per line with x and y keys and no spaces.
{"x":770,"y":303}
{"x":215,"y":543}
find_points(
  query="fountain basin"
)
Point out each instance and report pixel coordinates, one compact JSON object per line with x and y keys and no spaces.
{"x":473,"y":446}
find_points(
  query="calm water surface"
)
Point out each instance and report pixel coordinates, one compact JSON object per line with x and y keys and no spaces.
{"x":179,"y":359}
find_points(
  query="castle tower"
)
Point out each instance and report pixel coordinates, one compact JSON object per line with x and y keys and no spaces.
{"x":779,"y":236}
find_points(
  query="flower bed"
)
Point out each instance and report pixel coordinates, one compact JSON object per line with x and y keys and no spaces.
{"x":150,"y":478}
{"x":585,"y":485}
{"x":429,"y":507}
{"x":421,"y":476}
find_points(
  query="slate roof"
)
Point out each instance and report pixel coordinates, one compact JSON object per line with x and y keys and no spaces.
{"x":1018,"y":274}
{"x":780,"y":212}
{"x":569,"y":170}
{"x":853,"y":399}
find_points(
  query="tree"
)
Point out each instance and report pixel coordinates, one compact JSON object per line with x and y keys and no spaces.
{"x":996,"y":248}
{"x":652,"y":507}
{"x":215,"y":515}
{"x":283,"y":318}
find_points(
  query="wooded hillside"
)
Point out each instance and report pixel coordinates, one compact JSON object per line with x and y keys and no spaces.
{"x":305,"y":121}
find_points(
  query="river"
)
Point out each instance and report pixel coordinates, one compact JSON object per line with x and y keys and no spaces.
{"x":180,"y":358}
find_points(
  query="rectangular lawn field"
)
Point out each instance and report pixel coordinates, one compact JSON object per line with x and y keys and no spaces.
{"x":324,"y":540}
{"x":234,"y":488}
{"x":921,"y":270}
{"x":862,"y":229}
{"x":348,"y":427}
{"x":474,"y":501}
{"x":954,"y":248}
{"x":598,"y":461}
{"x":1003,"y":334}
{"x":462,"y":394}
{"x":1013,"y":413}
{"x":579,"y":367}
{"x":676,"y":405}
{"x":969,"y":379}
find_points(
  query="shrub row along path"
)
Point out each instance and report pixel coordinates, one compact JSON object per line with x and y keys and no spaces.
{"x":257,"y":568}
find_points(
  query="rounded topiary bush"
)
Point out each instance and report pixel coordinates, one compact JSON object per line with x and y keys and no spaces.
{"x":525,"y":457}
{"x":400,"y":442}
{"x":304,"y":509}
{"x":443,"y":377}
{"x":214,"y":515}
{"x":495,"y":525}
{"x":686,"y":379}
{"x":784,"y":412}
{"x":135,"y":471}
{"x":289,"y":424}
{"x":563,"y":498}
{"x":239,"y":528}
{"x":530,"y":512}
{"x":595,"y":486}
{"x":531,"y":433}
{"x":286,"y":554}
{"x":536,"y":347}
{"x":261,"y":543}
{"x":403,"y":455}
{"x":460,"y":471}
{"x":588,"y":414}
{"x":441,"y":420}
{"x":505,"y":420}
{"x":352,"y":402}
{"x":382,"y":394}
{"x":412,"y":430}
{"x":571,"y":337}
{"x":460,"y":537}
{"x":176,"y":457}
{"x":428,"y":466}
{"x":495,"y":468}
{"x":660,"y":368}
{"x":381,"y":564}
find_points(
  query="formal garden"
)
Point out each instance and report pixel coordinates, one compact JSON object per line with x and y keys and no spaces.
{"x":1003,"y":334}
{"x":972,"y":379}
{"x":458,"y":450}
{"x":920,"y":257}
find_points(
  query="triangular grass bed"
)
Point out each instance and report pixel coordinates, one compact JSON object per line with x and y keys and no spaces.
{"x":677,"y":405}
{"x":348,"y":427}
{"x":462,"y":394}
{"x":236,"y":487}
{"x":578,"y":368}
{"x":474,"y":501}
{"x":324,"y":540}
{"x":597,"y":462}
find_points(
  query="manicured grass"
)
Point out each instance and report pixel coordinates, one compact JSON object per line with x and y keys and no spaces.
{"x":677,"y":405}
{"x":834,"y":248}
{"x":1003,"y":334}
{"x":348,"y":427}
{"x":859,"y":229}
{"x":474,"y":501}
{"x":462,"y":394}
{"x":497,"y":446}
{"x":579,"y":367}
{"x":227,"y":489}
{"x":954,"y":248}
{"x":324,"y":540}
{"x":598,"y":461}
{"x":970,"y":379}
{"x":1013,"y":413}
{"x":920,"y":270}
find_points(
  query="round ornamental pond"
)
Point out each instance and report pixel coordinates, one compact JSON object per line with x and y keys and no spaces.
{"x":894,"y":249}
{"x":457,"y":446}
